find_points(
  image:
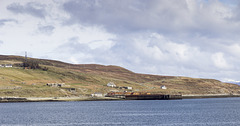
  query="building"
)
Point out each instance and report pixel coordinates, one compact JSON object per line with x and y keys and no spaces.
{"x":97,"y":95}
{"x":55,"y":84}
{"x":8,"y":65}
{"x":111,"y":84}
{"x":129,"y":88}
{"x":5,"y":65}
{"x":163,"y":87}
{"x":72,"y":90}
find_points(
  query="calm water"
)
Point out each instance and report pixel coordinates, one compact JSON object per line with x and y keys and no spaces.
{"x":189,"y":112}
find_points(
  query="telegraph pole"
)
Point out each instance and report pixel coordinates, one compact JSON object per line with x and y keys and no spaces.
{"x":25,"y":60}
{"x":26,"y":56}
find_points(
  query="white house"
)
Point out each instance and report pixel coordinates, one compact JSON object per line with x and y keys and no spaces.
{"x":8,"y":65}
{"x":163,"y":87}
{"x":111,"y":84}
{"x":2,"y":65}
{"x":97,"y":95}
{"x":129,"y":88}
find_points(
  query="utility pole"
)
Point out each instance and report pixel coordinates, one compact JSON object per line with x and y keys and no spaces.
{"x":26,"y":56}
{"x":25,"y":60}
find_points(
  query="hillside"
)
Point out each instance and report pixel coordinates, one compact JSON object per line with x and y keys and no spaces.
{"x":85,"y":79}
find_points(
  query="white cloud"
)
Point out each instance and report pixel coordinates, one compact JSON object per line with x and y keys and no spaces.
{"x":234,"y":49}
{"x":48,"y":29}
{"x":1,"y":42}
{"x":219,"y":61}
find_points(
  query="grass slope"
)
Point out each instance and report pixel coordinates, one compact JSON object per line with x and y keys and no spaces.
{"x":90,"y":78}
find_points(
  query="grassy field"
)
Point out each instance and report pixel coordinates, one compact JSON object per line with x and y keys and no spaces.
{"x":86,"y":79}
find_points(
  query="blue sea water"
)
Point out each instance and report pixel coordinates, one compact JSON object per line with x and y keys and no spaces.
{"x":187,"y":112}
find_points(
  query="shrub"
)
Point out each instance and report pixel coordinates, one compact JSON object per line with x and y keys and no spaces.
{"x":31,"y":64}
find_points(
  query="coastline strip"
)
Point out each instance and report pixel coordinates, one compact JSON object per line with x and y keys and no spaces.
{"x":197,"y":96}
{"x":65,"y":99}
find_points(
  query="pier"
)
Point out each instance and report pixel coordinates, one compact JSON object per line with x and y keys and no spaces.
{"x":142,"y":96}
{"x":153,"y":97}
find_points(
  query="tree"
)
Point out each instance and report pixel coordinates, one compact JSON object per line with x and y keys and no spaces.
{"x":31,"y":64}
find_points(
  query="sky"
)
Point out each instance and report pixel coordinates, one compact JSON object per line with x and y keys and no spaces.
{"x":193,"y":38}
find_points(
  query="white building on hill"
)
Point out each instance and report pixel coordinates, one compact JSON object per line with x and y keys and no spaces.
{"x":97,"y":95}
{"x":111,"y":84}
{"x":5,"y":65}
{"x":8,"y":65}
{"x":163,"y":87}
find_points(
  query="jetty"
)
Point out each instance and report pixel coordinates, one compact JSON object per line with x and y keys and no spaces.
{"x":142,"y":96}
{"x":153,"y":97}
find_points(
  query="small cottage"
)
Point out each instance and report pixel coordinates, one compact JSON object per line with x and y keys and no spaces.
{"x":8,"y":65}
{"x":97,"y":95}
{"x":129,"y":88}
{"x":111,"y":84}
{"x":163,"y":87}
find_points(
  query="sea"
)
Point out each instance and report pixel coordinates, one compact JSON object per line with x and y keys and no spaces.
{"x":186,"y":112}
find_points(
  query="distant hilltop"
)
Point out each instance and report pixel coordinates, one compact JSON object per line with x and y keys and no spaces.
{"x":50,"y":78}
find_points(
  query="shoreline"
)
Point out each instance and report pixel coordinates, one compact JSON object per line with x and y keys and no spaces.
{"x":199,"y":96}
{"x":54,"y":99}
{"x":66,"y":99}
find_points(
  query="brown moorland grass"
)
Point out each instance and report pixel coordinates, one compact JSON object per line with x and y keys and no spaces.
{"x":89,"y":78}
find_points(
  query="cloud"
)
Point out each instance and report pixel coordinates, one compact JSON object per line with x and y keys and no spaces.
{"x":4,"y":21}
{"x":1,"y":42}
{"x":165,"y":17}
{"x":48,"y":29}
{"x":87,"y":52}
{"x":31,"y":8}
{"x":234,"y":50}
{"x":219,"y":61}
{"x":73,"y":46}
{"x":153,"y":49}
{"x":126,"y":16}
{"x":143,"y":50}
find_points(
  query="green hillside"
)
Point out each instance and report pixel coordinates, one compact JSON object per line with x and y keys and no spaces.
{"x":85,"y":79}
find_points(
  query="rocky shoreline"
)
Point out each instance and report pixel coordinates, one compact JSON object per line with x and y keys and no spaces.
{"x":85,"y":98}
{"x":54,"y":99}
